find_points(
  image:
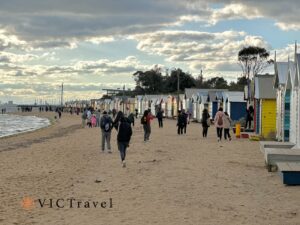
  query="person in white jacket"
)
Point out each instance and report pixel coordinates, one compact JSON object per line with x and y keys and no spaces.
{"x":218,"y":121}
{"x":226,"y":124}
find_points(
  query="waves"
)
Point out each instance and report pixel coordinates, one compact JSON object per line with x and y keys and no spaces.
{"x":15,"y":124}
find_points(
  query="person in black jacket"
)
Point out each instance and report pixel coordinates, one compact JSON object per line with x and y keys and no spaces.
{"x":124,"y":136}
{"x":205,"y":122}
{"x":180,"y":122}
{"x":159,"y":116}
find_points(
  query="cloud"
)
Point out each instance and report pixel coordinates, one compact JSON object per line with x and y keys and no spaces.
{"x":198,"y":50}
{"x":8,"y":57}
{"x":81,"y":79}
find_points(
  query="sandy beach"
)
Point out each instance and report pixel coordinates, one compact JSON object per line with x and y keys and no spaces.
{"x":170,"y":180}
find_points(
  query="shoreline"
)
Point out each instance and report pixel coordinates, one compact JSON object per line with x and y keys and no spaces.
{"x":51,"y":123}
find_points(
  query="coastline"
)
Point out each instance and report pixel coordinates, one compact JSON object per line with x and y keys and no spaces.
{"x":170,"y":180}
{"x":43,"y":116}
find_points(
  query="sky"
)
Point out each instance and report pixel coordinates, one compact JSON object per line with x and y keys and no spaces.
{"x":95,"y":44}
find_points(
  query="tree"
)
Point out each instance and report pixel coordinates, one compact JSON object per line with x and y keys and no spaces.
{"x":216,"y":82}
{"x":150,"y":81}
{"x":186,"y":80}
{"x":239,"y":85}
{"x":253,"y":60}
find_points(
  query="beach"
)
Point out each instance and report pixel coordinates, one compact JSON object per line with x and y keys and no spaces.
{"x":171,"y":179}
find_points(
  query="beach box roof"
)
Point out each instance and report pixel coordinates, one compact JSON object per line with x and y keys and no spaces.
{"x":263,"y":87}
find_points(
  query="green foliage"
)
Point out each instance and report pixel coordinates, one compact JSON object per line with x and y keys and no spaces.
{"x":153,"y":82}
{"x":216,"y":82}
{"x":253,"y":60}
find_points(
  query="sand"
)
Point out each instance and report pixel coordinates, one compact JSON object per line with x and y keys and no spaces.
{"x":170,"y":180}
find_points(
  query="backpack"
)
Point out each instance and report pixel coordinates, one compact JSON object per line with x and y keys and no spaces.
{"x":106,"y":124}
{"x":220,"y":120}
{"x":144,"y":120}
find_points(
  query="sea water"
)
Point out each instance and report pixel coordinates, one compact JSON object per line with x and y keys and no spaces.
{"x":15,"y":124}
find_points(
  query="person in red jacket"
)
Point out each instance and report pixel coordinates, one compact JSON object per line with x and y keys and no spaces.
{"x":146,"y":121}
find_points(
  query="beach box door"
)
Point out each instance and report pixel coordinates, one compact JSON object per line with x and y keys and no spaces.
{"x":287,"y":105}
{"x":237,"y":110}
{"x":268,"y":119}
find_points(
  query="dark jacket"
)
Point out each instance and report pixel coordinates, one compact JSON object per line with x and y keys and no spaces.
{"x":131,"y":118}
{"x":159,"y":115}
{"x":181,"y":121}
{"x":125,"y":131}
{"x":205,"y":117}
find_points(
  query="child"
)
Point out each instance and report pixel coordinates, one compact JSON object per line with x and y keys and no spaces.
{"x":93,"y":120}
{"x":226,"y":125}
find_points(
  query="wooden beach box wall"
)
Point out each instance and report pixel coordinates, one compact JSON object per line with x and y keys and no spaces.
{"x":169,"y":107}
{"x":234,"y":104}
{"x":199,"y":107}
{"x":174,"y":106}
{"x":257,"y":116}
{"x":182,"y":104}
{"x":288,"y":98}
{"x":194,"y":110}
{"x":203,"y":103}
{"x":139,"y":103}
{"x":163,"y":104}
{"x":281,"y":71}
{"x":131,"y":104}
{"x":265,"y":96}
{"x":191,"y":96}
{"x":294,"y":107}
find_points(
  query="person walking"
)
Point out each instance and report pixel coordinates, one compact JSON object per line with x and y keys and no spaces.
{"x":123,"y":138}
{"x":83,"y":118}
{"x":97,"y":113}
{"x":227,"y":120}
{"x":205,"y":122}
{"x":146,"y":122}
{"x":159,"y":116}
{"x":88,"y":118}
{"x":106,"y":126}
{"x":219,"y":122}
{"x":185,"y":116}
{"x":180,"y":122}
{"x":131,"y":119}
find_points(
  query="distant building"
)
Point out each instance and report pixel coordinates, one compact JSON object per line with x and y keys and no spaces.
{"x":9,"y":107}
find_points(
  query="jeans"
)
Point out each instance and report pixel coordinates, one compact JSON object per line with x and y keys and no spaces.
{"x":147,"y":131}
{"x":122,"y":148}
{"x":160,"y":122}
{"x":248,"y":124}
{"x":226,"y":133}
{"x":180,"y":129}
{"x":106,"y":138}
{"x":98,"y":122}
{"x":219,"y":132}
{"x":204,"y":131}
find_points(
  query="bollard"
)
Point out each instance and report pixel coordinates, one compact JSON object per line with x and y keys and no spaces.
{"x":238,"y":130}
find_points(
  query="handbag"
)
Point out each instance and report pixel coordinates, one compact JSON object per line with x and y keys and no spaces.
{"x":208,"y":122}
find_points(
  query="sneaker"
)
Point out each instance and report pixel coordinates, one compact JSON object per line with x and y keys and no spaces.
{"x":124,"y":163}
{"x":229,"y":139}
{"x":109,"y":151}
{"x":218,"y":139}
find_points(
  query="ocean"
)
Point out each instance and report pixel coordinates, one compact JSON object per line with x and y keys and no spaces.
{"x":15,"y":124}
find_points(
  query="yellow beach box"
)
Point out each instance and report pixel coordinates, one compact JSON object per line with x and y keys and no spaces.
{"x":266,"y":97}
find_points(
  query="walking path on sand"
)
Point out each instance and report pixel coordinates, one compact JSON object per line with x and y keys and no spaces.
{"x":170,"y":180}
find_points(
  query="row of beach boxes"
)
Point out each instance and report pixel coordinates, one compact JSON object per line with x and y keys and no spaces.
{"x":235,"y":105}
